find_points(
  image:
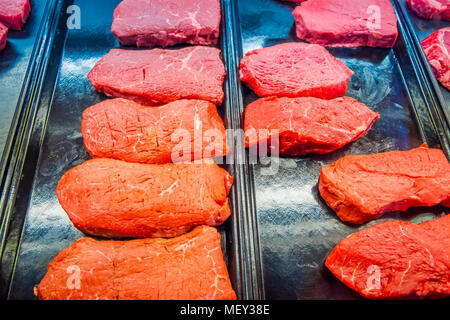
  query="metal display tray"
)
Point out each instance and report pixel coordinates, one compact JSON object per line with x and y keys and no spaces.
{"x":419,"y":29}
{"x":280,"y":231}
{"x":297,"y":230}
{"x":18,"y":65}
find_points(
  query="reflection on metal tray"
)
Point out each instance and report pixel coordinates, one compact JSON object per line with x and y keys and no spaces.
{"x":297,"y":229}
{"x":19,"y":64}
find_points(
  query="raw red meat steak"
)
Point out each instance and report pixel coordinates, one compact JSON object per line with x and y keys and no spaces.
{"x":113,"y":198}
{"x":396,"y":260}
{"x":295,"y":69}
{"x":189,"y":267}
{"x":437,"y":50}
{"x":167,"y":22}
{"x":158,"y":76}
{"x":431,"y":9}
{"x":3,"y":36}
{"x":306,"y":125}
{"x":14,"y":13}
{"x":183,"y":130}
{"x":347,"y":23}
{"x":360,"y":188}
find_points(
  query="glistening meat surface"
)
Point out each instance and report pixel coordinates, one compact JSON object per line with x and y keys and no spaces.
{"x":3,"y":36}
{"x":396,"y":260}
{"x":347,"y":23}
{"x":360,"y":188}
{"x":113,"y":198}
{"x":167,"y":22}
{"x":295,"y":70}
{"x":306,"y":125}
{"x":437,"y":49}
{"x":183,"y":130}
{"x":14,"y":13}
{"x":189,"y":267}
{"x":157,"y":76}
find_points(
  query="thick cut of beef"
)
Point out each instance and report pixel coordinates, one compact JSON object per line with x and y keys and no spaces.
{"x":295,"y":70}
{"x":437,"y":50}
{"x":158,"y":76}
{"x":347,"y":23}
{"x":396,"y":260}
{"x":14,"y":13}
{"x":3,"y":36}
{"x":363,"y":187}
{"x":113,"y":198}
{"x":167,"y":22}
{"x":431,"y":9}
{"x":306,"y":125}
{"x":183,"y":130}
{"x":189,"y":267}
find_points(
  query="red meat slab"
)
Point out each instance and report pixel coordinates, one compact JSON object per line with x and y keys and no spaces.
{"x":347,"y":23}
{"x":158,"y":76}
{"x":148,"y":23}
{"x":295,"y":69}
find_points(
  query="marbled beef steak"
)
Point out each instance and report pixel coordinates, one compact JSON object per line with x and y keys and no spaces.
{"x":3,"y":36}
{"x":295,"y":69}
{"x":306,"y":125}
{"x":347,"y":23}
{"x":14,"y":13}
{"x":183,"y":130}
{"x":158,"y":76}
{"x":189,"y":267}
{"x":437,"y":49}
{"x":431,"y":9}
{"x":396,"y":260}
{"x":360,"y":188}
{"x":147,"y":23}
{"x":113,"y":198}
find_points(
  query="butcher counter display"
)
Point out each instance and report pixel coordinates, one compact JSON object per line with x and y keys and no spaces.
{"x":220,"y":149}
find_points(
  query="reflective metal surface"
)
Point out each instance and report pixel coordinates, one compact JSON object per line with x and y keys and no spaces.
{"x":422,"y":29}
{"x":14,"y":61}
{"x":47,"y":229}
